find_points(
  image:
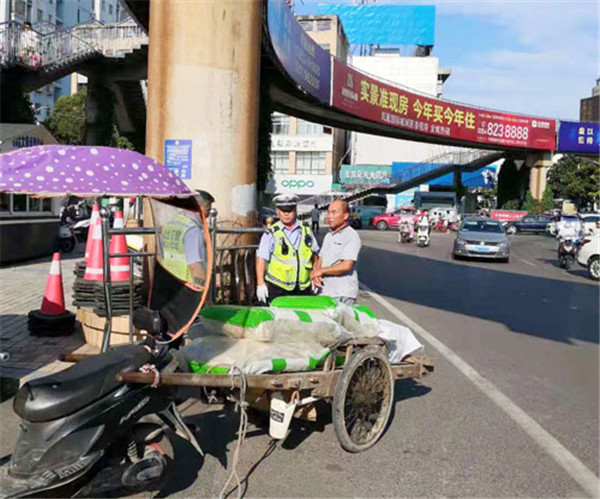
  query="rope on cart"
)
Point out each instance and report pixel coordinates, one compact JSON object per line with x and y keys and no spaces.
{"x":241,"y":405}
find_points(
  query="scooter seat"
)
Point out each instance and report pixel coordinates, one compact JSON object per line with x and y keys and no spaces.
{"x":67,"y":391}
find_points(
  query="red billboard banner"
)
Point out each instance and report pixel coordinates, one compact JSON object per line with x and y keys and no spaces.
{"x":366,"y":97}
{"x":507,"y":215}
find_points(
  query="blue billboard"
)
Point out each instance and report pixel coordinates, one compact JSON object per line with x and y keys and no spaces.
{"x":302,"y":58}
{"x":576,"y":136}
{"x":385,"y":24}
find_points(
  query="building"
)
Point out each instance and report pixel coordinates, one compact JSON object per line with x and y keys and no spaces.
{"x":589,"y":107}
{"x":306,"y":157}
{"x":48,"y":15}
{"x":422,"y":74}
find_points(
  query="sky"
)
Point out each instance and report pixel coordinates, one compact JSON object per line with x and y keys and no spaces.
{"x":535,"y":57}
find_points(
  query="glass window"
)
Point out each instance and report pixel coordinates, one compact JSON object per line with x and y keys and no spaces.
{"x":50,"y":18}
{"x":110,"y":9}
{"x":308,"y":128}
{"x":310,"y":163}
{"x":4,"y":202}
{"x":38,"y":204}
{"x":40,"y":15}
{"x":19,"y":202}
{"x":281,"y":161}
{"x":307,"y":25}
{"x":20,"y":10}
{"x":323,"y":24}
{"x":281,"y":125}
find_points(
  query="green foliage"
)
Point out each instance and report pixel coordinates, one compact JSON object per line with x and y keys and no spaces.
{"x":577,"y":179}
{"x":67,"y":121}
{"x":531,"y":205}
{"x":512,"y":204}
{"x":547,"y":200}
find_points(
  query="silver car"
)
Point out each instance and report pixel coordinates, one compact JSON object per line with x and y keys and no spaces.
{"x":482,"y":238}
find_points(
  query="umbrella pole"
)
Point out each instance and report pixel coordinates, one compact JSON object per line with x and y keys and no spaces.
{"x":105,"y":214}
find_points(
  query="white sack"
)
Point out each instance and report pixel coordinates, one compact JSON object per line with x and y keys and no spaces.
{"x":400,"y":339}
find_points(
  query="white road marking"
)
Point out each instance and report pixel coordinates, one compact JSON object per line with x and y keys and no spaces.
{"x":524,"y":261}
{"x":573,"y":466}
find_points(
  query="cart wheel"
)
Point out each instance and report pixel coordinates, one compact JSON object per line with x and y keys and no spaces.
{"x":363,"y":398}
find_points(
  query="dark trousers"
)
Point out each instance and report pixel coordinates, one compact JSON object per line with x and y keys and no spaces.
{"x":276,"y":291}
{"x":315,"y":226}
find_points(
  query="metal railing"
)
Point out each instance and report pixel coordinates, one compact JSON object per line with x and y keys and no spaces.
{"x":44,"y":50}
{"x":233,"y":264}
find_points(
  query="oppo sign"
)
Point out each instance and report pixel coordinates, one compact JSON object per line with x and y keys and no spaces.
{"x":299,"y":184}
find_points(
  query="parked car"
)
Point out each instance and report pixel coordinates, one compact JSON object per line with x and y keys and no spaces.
{"x":589,"y":255}
{"x":529,"y":223}
{"x":482,"y":238}
{"x":387,"y":220}
{"x":589,"y":222}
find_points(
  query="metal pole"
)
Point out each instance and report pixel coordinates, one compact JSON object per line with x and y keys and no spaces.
{"x":131,"y":299}
{"x":104,"y":214}
{"x":212,"y":224}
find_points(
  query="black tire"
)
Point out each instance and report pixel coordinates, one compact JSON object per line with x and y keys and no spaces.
{"x":371,"y":404}
{"x":381,"y":225}
{"x":594,"y":268}
{"x":569,"y":261}
{"x":66,"y":245}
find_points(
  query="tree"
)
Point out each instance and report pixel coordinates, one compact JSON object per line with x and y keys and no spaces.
{"x":575,"y":178}
{"x":67,"y":121}
{"x":531,"y":205}
{"x":547,"y":200}
{"x":512,"y":204}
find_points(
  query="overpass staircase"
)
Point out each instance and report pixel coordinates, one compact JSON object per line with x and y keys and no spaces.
{"x":463,"y":161}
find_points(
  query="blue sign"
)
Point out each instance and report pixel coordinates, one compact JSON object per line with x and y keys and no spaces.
{"x":575,"y":136}
{"x":178,"y":157}
{"x":302,"y":58}
{"x":385,"y":24}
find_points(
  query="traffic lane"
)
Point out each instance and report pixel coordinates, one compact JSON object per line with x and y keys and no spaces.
{"x":536,"y":338}
{"x":446,"y":438}
{"x":530,"y":254}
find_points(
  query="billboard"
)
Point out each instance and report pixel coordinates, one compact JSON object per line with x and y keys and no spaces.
{"x":385,"y":24}
{"x":303,"y":59}
{"x":371,"y":99}
{"x":365,"y":175}
{"x":579,"y":137}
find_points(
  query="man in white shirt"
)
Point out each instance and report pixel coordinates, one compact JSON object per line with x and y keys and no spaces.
{"x":335,"y":268}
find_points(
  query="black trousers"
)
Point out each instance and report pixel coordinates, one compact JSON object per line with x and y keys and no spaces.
{"x":315,"y":227}
{"x":276,"y":291}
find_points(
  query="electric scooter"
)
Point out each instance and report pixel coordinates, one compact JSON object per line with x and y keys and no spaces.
{"x":404,"y":235}
{"x":567,"y":251}
{"x":85,"y":434}
{"x":423,"y":238}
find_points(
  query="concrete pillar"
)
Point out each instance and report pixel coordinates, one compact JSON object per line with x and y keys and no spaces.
{"x":99,"y":112}
{"x":458,"y":187}
{"x":203,"y":86}
{"x":539,"y":163}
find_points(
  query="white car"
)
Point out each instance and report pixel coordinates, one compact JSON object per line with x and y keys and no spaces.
{"x":589,"y":221}
{"x":589,"y":255}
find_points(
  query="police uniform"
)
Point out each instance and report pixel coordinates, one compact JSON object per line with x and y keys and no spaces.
{"x":288,"y":253}
{"x":176,"y":254}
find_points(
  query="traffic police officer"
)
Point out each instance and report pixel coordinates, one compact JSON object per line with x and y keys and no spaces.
{"x":284,"y":259}
{"x":183,"y":244}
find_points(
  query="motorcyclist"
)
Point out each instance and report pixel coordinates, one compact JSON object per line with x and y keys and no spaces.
{"x":569,"y":228}
{"x":407,"y":216}
{"x":424,"y":219}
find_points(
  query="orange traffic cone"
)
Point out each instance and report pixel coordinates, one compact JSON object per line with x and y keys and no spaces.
{"x":119,"y":267}
{"x":54,"y":298}
{"x":52,"y":319}
{"x":88,"y":243}
{"x":94,"y":270}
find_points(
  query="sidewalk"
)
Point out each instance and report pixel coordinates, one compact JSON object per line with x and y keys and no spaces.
{"x":21,"y":290}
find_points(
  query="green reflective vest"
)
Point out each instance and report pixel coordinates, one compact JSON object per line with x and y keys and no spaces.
{"x":289,"y":267}
{"x":173,"y":247}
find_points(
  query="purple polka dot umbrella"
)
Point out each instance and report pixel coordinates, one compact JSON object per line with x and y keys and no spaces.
{"x":86,"y":171}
